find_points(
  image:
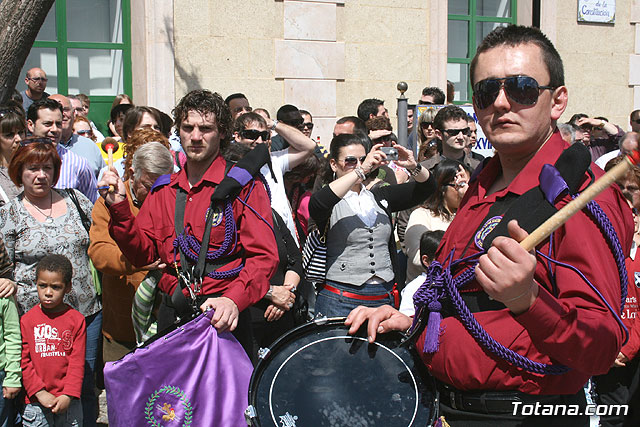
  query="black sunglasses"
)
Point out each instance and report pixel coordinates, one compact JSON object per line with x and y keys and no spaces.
{"x":84,"y":132}
{"x":35,"y":140}
{"x":453,"y":132}
{"x":307,"y":126}
{"x":426,"y":124}
{"x":636,"y":121}
{"x":253,"y":134}
{"x":523,"y":90}
{"x":384,"y":138}
{"x":353,"y":160}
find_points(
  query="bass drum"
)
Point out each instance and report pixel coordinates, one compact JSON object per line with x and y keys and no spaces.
{"x":319,"y":375}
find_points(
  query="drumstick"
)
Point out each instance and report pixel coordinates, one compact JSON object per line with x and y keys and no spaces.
{"x":560,"y":217}
{"x":110,"y":145}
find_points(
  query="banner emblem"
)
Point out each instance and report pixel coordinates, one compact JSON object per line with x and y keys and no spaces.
{"x":168,"y":405}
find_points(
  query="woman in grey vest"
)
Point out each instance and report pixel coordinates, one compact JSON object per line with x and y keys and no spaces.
{"x":360,"y":241}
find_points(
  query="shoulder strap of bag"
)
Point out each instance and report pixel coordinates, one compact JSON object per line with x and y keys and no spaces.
{"x":86,"y":222}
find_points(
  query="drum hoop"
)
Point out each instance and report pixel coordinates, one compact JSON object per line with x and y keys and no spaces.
{"x":413,"y":379}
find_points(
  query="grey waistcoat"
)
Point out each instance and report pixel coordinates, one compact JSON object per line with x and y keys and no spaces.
{"x":356,"y":252}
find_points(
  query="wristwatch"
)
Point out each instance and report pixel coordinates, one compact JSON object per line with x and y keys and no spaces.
{"x":275,"y":123}
{"x":269,"y":294}
{"x":416,"y":170}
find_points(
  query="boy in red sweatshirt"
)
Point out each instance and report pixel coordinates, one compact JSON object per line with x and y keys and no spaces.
{"x":53,"y":347}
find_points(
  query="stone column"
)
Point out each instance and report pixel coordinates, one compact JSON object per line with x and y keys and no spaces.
{"x":153,"y":53}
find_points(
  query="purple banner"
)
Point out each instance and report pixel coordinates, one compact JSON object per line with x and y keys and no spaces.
{"x":190,"y":377}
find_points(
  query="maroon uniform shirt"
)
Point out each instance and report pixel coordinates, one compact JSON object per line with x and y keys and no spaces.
{"x":150,"y":235}
{"x":574,"y":329}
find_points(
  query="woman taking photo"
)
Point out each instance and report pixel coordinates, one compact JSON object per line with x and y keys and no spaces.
{"x":40,"y":221}
{"x":360,"y":265}
{"x":12,"y":131}
{"x":437,"y":212}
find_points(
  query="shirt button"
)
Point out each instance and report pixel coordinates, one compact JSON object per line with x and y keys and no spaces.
{"x":371,"y":239}
{"x":370,"y":246}
{"x":190,"y":199}
{"x":371,"y":230}
{"x":371,"y":255}
{"x":373,"y":271}
{"x":373,"y":263}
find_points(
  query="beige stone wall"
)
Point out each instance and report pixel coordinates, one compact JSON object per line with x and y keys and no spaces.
{"x":258,"y":46}
{"x":385,"y":42}
{"x":596,"y":61}
{"x":228,"y":46}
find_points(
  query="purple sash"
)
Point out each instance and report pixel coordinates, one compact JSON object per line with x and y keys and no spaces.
{"x":190,"y":377}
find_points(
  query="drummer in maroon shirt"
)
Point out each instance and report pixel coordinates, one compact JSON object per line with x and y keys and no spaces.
{"x":570,"y":326}
{"x":203,"y":121}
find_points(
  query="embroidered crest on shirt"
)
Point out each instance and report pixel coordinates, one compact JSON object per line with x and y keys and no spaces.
{"x":485,"y":230}
{"x":217,"y":217}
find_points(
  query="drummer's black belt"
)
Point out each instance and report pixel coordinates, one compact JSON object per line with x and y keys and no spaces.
{"x":500,"y":402}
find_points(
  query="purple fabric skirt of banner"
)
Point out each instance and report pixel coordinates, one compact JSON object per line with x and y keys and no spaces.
{"x":190,"y":377}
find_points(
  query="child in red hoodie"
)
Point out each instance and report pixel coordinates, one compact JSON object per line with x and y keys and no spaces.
{"x":53,"y":347}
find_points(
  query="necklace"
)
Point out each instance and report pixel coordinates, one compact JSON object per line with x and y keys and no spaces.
{"x":48,"y":218}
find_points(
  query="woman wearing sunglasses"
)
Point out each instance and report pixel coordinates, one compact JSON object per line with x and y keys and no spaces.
{"x":427,"y":141}
{"x":82,"y":127}
{"x":437,"y":212}
{"x":359,"y":232}
{"x":12,"y":131}
{"x":42,"y":220}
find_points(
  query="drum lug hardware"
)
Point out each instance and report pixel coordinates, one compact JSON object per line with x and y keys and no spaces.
{"x":250,"y":414}
{"x":263,"y":353}
{"x":320,"y":319}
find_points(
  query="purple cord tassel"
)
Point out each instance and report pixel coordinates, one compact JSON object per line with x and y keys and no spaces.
{"x":432,"y":337}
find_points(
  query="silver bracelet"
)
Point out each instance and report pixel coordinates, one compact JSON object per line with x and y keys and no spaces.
{"x":275,"y":123}
{"x":358,"y":170}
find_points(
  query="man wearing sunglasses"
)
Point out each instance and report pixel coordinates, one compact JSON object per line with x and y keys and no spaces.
{"x":598,"y":134}
{"x":538,"y":309}
{"x":289,"y":115}
{"x":36,"y":81}
{"x":251,"y":129}
{"x":452,"y":129}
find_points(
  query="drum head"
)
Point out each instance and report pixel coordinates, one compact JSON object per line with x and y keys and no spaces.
{"x":319,"y":375}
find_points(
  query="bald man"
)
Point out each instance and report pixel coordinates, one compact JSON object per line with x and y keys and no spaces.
{"x":36,"y":81}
